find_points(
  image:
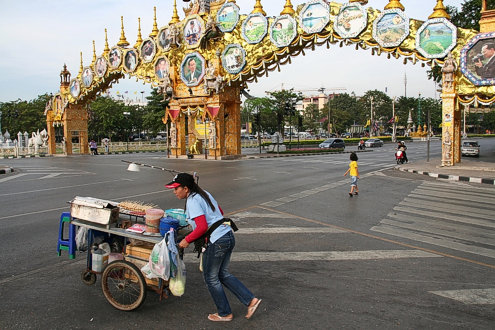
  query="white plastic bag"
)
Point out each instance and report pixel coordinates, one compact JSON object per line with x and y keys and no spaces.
{"x":82,"y":239}
{"x":158,"y":265}
{"x":177,"y":284}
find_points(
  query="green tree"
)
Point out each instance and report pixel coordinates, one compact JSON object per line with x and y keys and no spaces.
{"x":153,"y":113}
{"x":283,"y":106}
{"x":106,"y":119}
{"x":263,"y":106}
{"x":311,"y":118}
{"x":24,"y":116}
{"x":344,"y":111}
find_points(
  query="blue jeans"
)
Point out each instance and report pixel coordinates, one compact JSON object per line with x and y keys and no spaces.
{"x":216,"y":261}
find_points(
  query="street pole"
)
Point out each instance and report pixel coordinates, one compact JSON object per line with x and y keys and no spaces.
{"x":394,"y":125}
{"x":371,"y":117}
{"x":428,"y":133}
{"x":126,"y":114}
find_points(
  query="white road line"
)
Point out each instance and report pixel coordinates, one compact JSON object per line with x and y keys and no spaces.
{"x":430,"y":228}
{"x":455,"y":201}
{"x":323,"y":255}
{"x":63,"y":187}
{"x":12,"y":177}
{"x":247,"y":214}
{"x":434,"y":240}
{"x":52,"y":175}
{"x":448,"y":207}
{"x":470,"y":296}
{"x":289,"y":230}
{"x":442,"y":215}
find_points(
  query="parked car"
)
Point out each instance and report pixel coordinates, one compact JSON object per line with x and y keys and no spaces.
{"x":332,"y":143}
{"x":470,"y":148}
{"x":373,"y":143}
{"x":346,"y":135}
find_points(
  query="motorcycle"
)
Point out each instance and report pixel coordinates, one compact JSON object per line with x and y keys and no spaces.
{"x":399,"y":157}
{"x":361,"y":146}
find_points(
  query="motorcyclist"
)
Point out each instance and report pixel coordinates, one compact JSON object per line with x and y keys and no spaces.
{"x":361,"y":145}
{"x":402,"y":147}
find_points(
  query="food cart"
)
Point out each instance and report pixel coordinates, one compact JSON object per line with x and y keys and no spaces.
{"x":123,"y":283}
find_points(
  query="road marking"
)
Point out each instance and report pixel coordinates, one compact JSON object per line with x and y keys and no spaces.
{"x":323,"y":255}
{"x":459,"y":196}
{"x":470,"y":296}
{"x":445,"y":206}
{"x":441,"y":215}
{"x":289,"y":230}
{"x":12,"y":177}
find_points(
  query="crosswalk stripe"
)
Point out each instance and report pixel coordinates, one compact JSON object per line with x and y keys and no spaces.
{"x":451,"y":195}
{"x":442,"y":215}
{"x":448,"y":207}
{"x":432,"y":228}
{"x":289,"y":230}
{"x":462,"y":189}
{"x":432,"y":239}
{"x":470,"y":296}
{"x":323,"y":255}
{"x":456,"y":201}
{"x":12,"y":177}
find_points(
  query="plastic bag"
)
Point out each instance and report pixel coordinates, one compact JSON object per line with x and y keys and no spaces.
{"x":177,"y":284}
{"x":158,"y":265}
{"x":82,"y":239}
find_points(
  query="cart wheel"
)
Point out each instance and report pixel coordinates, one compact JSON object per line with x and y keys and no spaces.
{"x":88,"y":277}
{"x":123,"y":285}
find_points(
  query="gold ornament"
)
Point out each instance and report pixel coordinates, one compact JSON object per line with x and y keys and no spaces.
{"x":123,"y":41}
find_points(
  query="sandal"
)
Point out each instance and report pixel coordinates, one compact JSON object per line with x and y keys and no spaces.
{"x":252,"y":309}
{"x":217,"y":318}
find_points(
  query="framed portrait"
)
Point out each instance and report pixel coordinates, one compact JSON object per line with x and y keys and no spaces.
{"x":115,"y":57}
{"x":233,"y":58}
{"x":162,"y":68}
{"x":130,"y":60}
{"x":351,"y":20}
{"x":101,"y":66}
{"x":147,"y":50}
{"x":228,"y":17}
{"x":254,"y":28}
{"x":478,"y":59}
{"x":283,"y":30}
{"x":164,"y":40}
{"x":87,"y":76}
{"x":436,"y":38}
{"x":192,"y":69}
{"x":193,"y":31}
{"x":75,"y":88}
{"x":314,"y":16}
{"x":391,"y":28}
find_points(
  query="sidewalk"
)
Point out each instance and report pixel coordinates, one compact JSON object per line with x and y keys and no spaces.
{"x":468,"y":170}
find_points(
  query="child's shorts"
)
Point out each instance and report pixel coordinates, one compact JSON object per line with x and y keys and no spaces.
{"x":354,"y":181}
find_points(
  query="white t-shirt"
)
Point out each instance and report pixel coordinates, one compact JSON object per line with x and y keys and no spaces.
{"x":197,"y":206}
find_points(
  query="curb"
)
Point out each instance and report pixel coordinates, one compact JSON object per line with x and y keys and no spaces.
{"x":305,"y":154}
{"x":449,"y":177}
{"x":6,"y":170}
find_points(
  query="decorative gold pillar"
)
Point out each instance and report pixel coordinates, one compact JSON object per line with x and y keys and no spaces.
{"x":76,"y":120}
{"x":52,"y":146}
{"x":450,"y":114}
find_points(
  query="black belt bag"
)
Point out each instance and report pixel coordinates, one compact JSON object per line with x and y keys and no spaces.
{"x":203,"y":240}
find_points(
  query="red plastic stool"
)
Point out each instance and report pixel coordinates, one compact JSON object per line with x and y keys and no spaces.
{"x":67,"y":244}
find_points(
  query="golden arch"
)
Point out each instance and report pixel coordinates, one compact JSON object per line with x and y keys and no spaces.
{"x":216,"y":95}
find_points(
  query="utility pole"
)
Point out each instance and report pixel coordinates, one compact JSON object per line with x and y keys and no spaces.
{"x":394,"y":124}
{"x":371,"y":117}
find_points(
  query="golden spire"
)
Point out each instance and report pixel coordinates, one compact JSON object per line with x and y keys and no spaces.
{"x":123,"y":41}
{"x":439,"y":11}
{"x":94,"y":53}
{"x":139,"y":39}
{"x":288,"y":9}
{"x":258,"y":8}
{"x":107,"y":49}
{"x":175,"y":16}
{"x":154,"y":32}
{"x":394,"y":4}
{"x":80,"y":67}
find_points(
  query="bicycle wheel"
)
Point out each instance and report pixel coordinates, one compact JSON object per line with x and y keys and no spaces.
{"x":123,"y":285}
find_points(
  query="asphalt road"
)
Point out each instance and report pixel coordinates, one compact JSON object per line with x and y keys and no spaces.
{"x":409,"y":252}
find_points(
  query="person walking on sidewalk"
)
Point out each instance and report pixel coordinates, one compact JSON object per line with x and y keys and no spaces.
{"x":212,"y":230}
{"x":354,"y":174}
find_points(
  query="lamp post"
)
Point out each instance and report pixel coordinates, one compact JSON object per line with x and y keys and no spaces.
{"x":394,"y":123}
{"x":419,"y":110}
{"x":371,"y":116}
{"x":127,"y":114}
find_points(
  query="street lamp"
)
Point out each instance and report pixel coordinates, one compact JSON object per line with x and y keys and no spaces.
{"x":127,"y":114}
{"x":371,"y":116}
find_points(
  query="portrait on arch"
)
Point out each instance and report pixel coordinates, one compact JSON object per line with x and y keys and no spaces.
{"x":478,"y":59}
{"x":115,"y":57}
{"x":74,"y":88}
{"x":254,"y":28}
{"x":227,"y":17}
{"x":193,"y":31}
{"x":351,"y":20}
{"x":87,"y":76}
{"x":391,"y":28}
{"x":147,"y":50}
{"x":101,"y":66}
{"x":162,"y":68}
{"x":283,"y":30}
{"x":164,"y":38}
{"x":192,"y":69}
{"x":130,"y":60}
{"x":314,"y":16}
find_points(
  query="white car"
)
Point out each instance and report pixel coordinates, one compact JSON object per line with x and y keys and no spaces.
{"x":470,"y":148}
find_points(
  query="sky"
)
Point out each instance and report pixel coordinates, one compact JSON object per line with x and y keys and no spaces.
{"x":38,"y":37}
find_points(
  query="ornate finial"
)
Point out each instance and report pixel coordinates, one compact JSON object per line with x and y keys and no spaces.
{"x":258,"y":8}
{"x":288,"y":9}
{"x":139,"y":39}
{"x":94,"y":53}
{"x":123,"y":41}
{"x":394,"y":4}
{"x":439,"y":11}
{"x":81,"y":66}
{"x":154,"y":32}
{"x":175,"y":16}
{"x":107,"y":49}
